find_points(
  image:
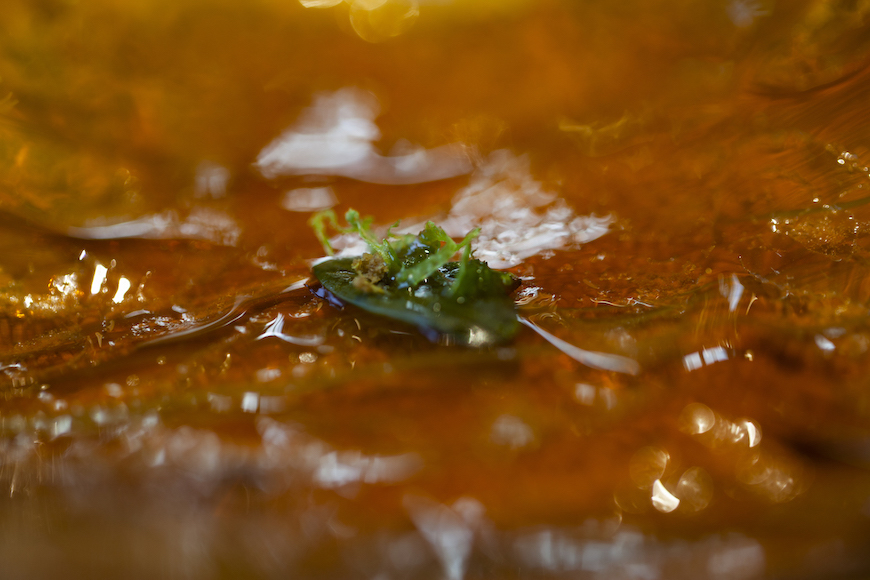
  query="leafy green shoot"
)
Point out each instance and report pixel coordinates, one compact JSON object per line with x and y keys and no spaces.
{"x":319,"y":222}
{"x":356,"y":224}
{"x":413,"y":275}
{"x":414,"y":279}
{"x":363,"y":226}
{"x":406,"y":271}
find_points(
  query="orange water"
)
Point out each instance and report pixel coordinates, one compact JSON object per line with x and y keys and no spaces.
{"x":151,"y":433}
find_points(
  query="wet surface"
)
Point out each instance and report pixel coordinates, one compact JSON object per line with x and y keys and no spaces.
{"x":682,"y":189}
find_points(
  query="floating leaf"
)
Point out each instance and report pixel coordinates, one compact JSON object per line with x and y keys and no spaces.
{"x":411,"y":279}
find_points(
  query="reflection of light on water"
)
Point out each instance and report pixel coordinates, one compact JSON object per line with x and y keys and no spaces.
{"x":695,"y":489}
{"x":648,"y":465}
{"x":663,"y":500}
{"x":744,"y":13}
{"x":306,"y":199}
{"x":713,"y":429}
{"x":320,"y":3}
{"x":629,"y":554}
{"x":707,"y":356}
{"x":123,"y":286}
{"x":336,"y":468}
{"x":449,"y":530}
{"x":100,"y":272}
{"x":733,"y":291}
{"x":211,"y":180}
{"x":335,"y":136}
{"x":740,"y":561}
{"x":775,"y":477}
{"x":824,"y":344}
{"x":275,"y":329}
{"x":380,"y":20}
{"x":517,"y":217}
{"x":478,"y":336}
{"x":511,"y":432}
{"x":596,"y":360}
{"x":771,"y":475}
{"x":250,"y":402}
{"x":375,"y":20}
{"x":587,"y":394}
{"x":753,"y":433}
{"x":692,"y":492}
{"x":201,"y":224}
{"x":696,"y":419}
{"x":66,"y":285}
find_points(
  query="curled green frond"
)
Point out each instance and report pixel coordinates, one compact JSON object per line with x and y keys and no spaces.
{"x":318,"y":223}
{"x":363,"y":226}
{"x":355,"y":224}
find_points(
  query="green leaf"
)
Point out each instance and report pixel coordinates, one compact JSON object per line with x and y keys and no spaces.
{"x":484,"y":316}
{"x":411,"y":279}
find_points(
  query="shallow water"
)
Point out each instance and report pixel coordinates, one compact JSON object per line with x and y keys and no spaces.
{"x":681,"y":187}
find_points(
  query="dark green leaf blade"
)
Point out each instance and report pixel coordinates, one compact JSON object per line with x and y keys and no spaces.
{"x":486,"y":317}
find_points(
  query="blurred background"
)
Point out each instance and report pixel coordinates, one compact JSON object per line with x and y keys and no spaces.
{"x":680,"y":184}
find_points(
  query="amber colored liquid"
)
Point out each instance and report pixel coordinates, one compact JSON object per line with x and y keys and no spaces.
{"x":177,"y":403}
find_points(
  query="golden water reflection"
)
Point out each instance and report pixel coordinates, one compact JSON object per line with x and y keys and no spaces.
{"x":682,"y":188}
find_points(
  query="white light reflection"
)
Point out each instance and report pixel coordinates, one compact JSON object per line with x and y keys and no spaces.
{"x":663,"y":500}
{"x":824,"y":344}
{"x":201,"y":224}
{"x":123,"y":286}
{"x":478,"y":336}
{"x":337,"y":469}
{"x":517,"y":217}
{"x":449,"y":531}
{"x":61,"y":426}
{"x":307,"y":199}
{"x":99,"y":278}
{"x":584,"y":393}
{"x":320,"y":3}
{"x":733,"y":292}
{"x":694,"y":361}
{"x":211,"y":180}
{"x":335,"y":136}
{"x":275,"y":328}
{"x":267,"y":374}
{"x":250,"y":402}
{"x":753,"y":432}
{"x":697,"y":418}
{"x":511,"y":432}
{"x":593,"y":359}
{"x":713,"y":355}
{"x":742,"y":561}
{"x":66,"y":285}
{"x":621,"y":556}
{"x":220,"y":403}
